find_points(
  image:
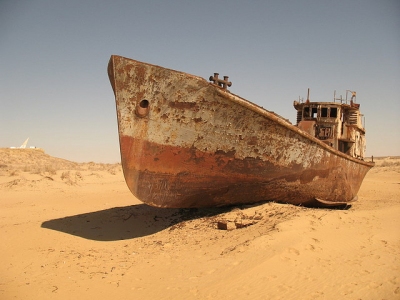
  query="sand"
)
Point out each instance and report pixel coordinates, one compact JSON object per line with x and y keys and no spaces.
{"x":74,"y":231}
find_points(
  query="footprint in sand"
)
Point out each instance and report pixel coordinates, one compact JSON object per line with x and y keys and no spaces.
{"x":288,"y":254}
{"x":397,"y":291}
{"x":310,"y":247}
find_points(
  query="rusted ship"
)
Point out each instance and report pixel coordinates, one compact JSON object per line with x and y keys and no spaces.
{"x":186,"y":142}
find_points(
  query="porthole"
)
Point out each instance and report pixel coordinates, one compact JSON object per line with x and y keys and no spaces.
{"x":142,"y":109}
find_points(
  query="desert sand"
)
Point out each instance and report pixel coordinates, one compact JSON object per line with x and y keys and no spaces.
{"x":74,"y":231}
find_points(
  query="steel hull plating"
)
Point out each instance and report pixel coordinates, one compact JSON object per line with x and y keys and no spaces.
{"x":188,"y":143}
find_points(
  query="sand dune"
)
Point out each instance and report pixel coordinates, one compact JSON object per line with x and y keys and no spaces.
{"x":74,"y":231}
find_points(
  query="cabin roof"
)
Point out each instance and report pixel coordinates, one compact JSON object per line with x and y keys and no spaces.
{"x":350,"y":105}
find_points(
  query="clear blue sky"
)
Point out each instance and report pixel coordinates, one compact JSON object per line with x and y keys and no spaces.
{"x":53,"y":57}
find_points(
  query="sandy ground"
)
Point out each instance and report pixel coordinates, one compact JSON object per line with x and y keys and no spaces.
{"x":74,"y":231}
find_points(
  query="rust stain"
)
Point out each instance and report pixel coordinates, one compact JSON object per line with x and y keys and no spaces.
{"x":182,"y":105}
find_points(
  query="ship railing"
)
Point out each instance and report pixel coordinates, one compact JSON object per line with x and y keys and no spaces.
{"x":350,"y":97}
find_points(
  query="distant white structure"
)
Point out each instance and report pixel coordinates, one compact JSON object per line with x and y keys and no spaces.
{"x":23,"y":146}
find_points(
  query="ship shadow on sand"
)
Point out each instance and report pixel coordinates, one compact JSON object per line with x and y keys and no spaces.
{"x":129,"y":222}
{"x":135,"y":221}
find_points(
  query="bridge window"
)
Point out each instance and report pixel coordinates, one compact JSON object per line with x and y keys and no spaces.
{"x":314,"y":112}
{"x":333,"y":112}
{"x":306,"y":113}
{"x":324,"y":112}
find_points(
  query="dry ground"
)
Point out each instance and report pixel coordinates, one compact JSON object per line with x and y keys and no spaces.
{"x":74,"y":231}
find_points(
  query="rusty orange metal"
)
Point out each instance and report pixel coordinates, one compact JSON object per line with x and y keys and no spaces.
{"x":186,"y":142}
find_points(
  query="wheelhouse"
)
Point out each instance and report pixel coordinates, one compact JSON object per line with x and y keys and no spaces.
{"x":339,"y":124}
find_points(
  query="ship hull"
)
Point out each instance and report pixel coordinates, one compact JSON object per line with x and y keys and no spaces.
{"x":188,"y":143}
